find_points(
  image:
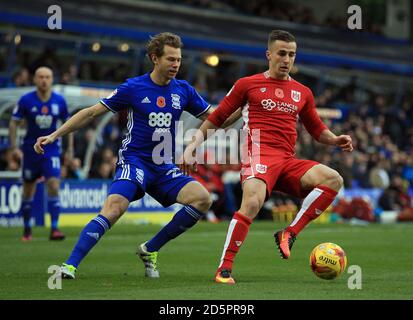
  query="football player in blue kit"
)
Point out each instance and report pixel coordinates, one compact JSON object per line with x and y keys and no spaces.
{"x":154,"y":102}
{"x":42,"y":109}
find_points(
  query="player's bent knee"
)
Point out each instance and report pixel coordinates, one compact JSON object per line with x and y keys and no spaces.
{"x":335,"y":180}
{"x":53,"y":186}
{"x":114,"y":207}
{"x":202,"y":202}
{"x":250,"y":207}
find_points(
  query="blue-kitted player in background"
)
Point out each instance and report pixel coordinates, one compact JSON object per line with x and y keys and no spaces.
{"x":154,"y":102}
{"x":41,"y":109}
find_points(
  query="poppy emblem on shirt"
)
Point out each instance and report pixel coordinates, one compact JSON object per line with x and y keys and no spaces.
{"x":45,"y":110}
{"x":279,"y":93}
{"x":295,"y":95}
{"x":160,"y":102}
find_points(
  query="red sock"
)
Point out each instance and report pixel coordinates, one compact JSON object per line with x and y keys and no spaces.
{"x":237,"y":232}
{"x":313,"y":205}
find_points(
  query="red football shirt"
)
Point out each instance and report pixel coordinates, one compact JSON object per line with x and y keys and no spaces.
{"x":272,"y":106}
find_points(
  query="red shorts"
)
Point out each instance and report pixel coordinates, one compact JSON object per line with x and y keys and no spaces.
{"x":280,"y":172}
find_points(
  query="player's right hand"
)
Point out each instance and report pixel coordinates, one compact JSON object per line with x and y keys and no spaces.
{"x":42,"y":141}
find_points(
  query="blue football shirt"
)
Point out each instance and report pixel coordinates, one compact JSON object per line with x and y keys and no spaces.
{"x":41,"y":117}
{"x":152,"y":109}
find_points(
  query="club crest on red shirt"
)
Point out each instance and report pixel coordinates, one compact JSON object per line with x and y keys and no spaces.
{"x":261,"y":168}
{"x":295,"y":95}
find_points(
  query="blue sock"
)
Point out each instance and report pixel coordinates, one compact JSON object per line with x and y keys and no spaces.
{"x":184,"y":219}
{"x":89,"y":236}
{"x":26,"y":209}
{"x":53,"y":205}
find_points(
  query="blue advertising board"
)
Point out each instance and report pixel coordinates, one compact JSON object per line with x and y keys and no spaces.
{"x":76,"y":197}
{"x":10,"y":203}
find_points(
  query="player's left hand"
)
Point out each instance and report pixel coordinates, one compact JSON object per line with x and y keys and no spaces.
{"x":187,"y":162}
{"x":42,"y":141}
{"x":344,"y":142}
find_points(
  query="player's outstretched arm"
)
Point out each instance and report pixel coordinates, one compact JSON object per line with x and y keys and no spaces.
{"x":234,"y":117}
{"x":342,"y":141}
{"x":187,"y":163}
{"x":77,"y":121}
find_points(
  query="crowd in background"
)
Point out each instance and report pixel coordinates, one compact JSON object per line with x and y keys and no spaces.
{"x":283,"y":11}
{"x":66,"y":71}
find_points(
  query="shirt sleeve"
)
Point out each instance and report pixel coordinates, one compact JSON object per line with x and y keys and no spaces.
{"x":310,"y":118}
{"x":196,"y":106}
{"x":235,"y":99}
{"x":119,"y":99}
{"x":19,"y":110}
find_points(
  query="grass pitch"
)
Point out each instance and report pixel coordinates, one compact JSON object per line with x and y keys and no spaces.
{"x":187,"y":264}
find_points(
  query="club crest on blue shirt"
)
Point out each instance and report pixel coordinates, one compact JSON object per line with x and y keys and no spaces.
{"x":176,"y":103}
{"x":55,"y":109}
{"x":160,"y":102}
{"x":45,"y":110}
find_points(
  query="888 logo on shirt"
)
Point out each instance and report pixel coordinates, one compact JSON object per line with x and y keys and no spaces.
{"x":44,"y":121}
{"x":160,"y":119}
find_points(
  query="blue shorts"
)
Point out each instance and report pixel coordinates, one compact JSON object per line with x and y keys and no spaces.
{"x":162,"y":182}
{"x":40,"y":165}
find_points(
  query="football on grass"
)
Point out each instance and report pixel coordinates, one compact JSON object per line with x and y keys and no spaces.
{"x":328,"y":260}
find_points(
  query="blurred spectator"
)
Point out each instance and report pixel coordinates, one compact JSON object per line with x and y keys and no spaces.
{"x":103,"y":164}
{"x":104,"y":171}
{"x":72,"y":169}
{"x":395,"y":197}
{"x":70,"y":76}
{"x":22,"y":78}
{"x":408,"y":169}
{"x":9,"y":161}
{"x":379,"y":178}
{"x":48,"y":58}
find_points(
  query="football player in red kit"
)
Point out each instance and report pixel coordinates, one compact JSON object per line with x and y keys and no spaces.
{"x":271,"y":102}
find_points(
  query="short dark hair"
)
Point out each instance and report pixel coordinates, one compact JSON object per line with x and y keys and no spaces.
{"x":280,"y":35}
{"x":157,"y":43}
